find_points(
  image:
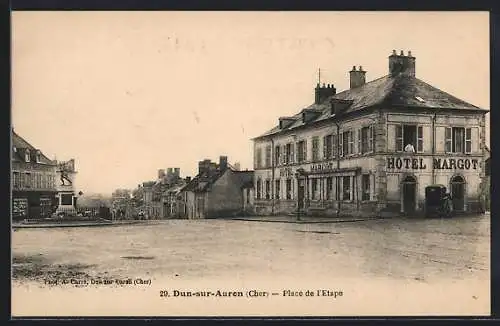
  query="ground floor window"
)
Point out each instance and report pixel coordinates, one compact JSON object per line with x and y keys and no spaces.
{"x":365,"y":187}
{"x":346,"y":188}
{"x":314,"y":189}
{"x":329,"y":188}
{"x":66,"y":199}
{"x":277,"y":189}
{"x":337,"y":190}
{"x":45,"y":206}
{"x":259,"y":187}
{"x":288,"y":189}
{"x":20,"y":207}
{"x":268,"y":189}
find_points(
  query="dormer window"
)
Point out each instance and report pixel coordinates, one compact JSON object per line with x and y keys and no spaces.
{"x":38,"y":156}
{"x":15,"y":149}
{"x":27,"y":157}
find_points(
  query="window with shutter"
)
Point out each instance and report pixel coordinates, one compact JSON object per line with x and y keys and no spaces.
{"x":399,"y":138}
{"x":315,"y":149}
{"x":468,"y":140}
{"x":350,"y":136}
{"x":325,"y":151}
{"x":359,"y":142}
{"x":341,"y":145}
{"x":371,"y":139}
{"x":420,"y":139}
{"x":335,"y":145}
{"x":292,"y":153}
{"x":277,"y":153}
{"x":448,"y":140}
{"x":305,"y":150}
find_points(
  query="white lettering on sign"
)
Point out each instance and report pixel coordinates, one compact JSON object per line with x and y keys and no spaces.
{"x":437,"y":163}
{"x":323,"y":166}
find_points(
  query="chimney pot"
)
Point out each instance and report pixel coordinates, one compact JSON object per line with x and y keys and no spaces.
{"x":402,"y":65}
{"x":394,"y":52}
{"x":321,"y":93}
{"x":357,"y":77}
{"x":402,"y":53}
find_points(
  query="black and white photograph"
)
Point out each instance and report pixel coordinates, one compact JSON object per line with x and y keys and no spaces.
{"x":246,"y":163}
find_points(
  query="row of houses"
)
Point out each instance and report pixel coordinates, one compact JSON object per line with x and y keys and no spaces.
{"x":370,"y":149}
{"x":218,"y":190}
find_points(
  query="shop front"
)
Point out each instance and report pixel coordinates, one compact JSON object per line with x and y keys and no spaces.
{"x":319,"y":189}
{"x":33,"y":204}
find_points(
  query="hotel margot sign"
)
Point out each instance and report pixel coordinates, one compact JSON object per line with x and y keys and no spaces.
{"x":399,"y":163}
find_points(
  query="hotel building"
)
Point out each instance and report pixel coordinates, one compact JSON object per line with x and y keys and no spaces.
{"x":372,"y":149}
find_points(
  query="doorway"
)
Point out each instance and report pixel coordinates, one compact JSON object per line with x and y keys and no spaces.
{"x":458,"y":193}
{"x":300,"y":193}
{"x":409,"y":194}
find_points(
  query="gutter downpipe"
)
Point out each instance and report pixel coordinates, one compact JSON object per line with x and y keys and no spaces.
{"x":433,"y":147}
{"x":273,"y":194}
{"x":337,"y":187}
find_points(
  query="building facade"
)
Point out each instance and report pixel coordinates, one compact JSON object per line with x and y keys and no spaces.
{"x":218,"y":190}
{"x":372,"y":149}
{"x":160,"y":197}
{"x":33,"y":181}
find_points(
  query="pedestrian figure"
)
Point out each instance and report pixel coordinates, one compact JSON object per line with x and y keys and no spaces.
{"x":410,"y":148}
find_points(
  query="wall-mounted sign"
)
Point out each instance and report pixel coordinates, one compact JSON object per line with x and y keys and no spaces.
{"x":437,"y":163}
{"x":323,"y":166}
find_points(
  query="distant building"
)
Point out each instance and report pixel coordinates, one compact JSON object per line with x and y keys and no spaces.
{"x":160,"y":196}
{"x":33,"y":181}
{"x":173,"y":205}
{"x":217,"y":191}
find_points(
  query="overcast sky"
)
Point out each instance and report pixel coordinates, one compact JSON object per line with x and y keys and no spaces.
{"x":128,"y":93}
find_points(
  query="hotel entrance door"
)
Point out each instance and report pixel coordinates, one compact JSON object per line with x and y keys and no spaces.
{"x":409,"y":194}
{"x":300,"y":193}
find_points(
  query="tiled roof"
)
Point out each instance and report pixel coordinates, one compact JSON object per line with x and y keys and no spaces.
{"x":21,"y":145}
{"x":245,"y":178}
{"x":389,"y":91}
{"x":202,"y":181}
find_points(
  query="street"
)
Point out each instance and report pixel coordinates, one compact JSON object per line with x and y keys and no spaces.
{"x":395,"y":251}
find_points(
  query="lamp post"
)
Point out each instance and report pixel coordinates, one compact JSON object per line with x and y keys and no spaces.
{"x":297,"y":175}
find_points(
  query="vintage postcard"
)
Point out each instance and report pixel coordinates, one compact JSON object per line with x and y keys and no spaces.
{"x":250,"y":164}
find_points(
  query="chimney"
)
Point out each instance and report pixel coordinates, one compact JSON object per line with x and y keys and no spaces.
{"x":177,"y":173}
{"x":203,"y":166}
{"x":321,"y":93}
{"x":401,"y":64}
{"x":357,"y":77}
{"x":223,"y":163}
{"x":188,"y":179}
{"x":161,"y":173}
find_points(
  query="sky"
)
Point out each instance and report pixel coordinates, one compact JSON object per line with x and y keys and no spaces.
{"x":128,"y":93}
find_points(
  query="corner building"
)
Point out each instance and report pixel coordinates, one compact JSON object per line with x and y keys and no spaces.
{"x":347,"y":153}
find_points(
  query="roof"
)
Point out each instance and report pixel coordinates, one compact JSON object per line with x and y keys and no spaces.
{"x":245,"y":178}
{"x":390,"y":91}
{"x":203,"y":181}
{"x":20,"y":143}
